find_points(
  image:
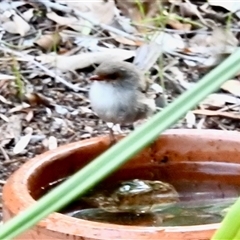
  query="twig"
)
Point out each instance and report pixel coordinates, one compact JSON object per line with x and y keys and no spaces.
{"x":14,"y":38}
{"x":49,"y":72}
{"x":232,"y":107}
{"x":66,"y":9}
{"x":202,"y":20}
{"x":6,"y":163}
{"x":4,"y":153}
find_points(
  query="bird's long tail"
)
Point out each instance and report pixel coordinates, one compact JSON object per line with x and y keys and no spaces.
{"x":147,"y":55}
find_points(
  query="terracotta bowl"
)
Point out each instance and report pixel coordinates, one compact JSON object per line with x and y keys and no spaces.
{"x":193,"y":155}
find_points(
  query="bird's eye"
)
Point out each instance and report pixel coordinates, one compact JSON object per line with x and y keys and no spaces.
{"x":113,"y":76}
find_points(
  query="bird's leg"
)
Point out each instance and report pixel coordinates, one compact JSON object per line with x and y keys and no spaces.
{"x":112,"y":137}
{"x":112,"y":128}
{"x":117,"y":128}
{"x":111,"y":133}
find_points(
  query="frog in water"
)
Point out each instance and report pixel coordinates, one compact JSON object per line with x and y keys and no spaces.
{"x":137,"y":196}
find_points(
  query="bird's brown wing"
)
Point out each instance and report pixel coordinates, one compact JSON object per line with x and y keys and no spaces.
{"x":146,"y":106}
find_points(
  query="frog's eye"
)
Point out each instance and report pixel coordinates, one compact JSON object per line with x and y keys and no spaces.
{"x":125,"y":188}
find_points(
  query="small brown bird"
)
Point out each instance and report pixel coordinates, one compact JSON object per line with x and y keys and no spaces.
{"x":119,"y":93}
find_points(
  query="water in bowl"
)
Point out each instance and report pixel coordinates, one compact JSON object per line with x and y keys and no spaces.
{"x":206,"y":190}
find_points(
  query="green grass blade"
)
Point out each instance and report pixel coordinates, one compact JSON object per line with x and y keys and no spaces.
{"x":118,"y":154}
{"x":230,"y":226}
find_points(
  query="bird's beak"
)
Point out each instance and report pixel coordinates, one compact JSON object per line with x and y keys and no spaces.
{"x":96,"y":78}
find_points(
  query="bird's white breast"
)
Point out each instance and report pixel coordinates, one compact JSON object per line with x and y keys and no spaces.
{"x":108,"y":101}
{"x":102,"y":95}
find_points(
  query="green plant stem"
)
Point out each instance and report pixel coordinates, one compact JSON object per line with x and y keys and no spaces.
{"x":229,"y":21}
{"x":140,"y":7}
{"x":230,"y":226}
{"x":118,"y":154}
{"x":165,"y":18}
{"x":18,"y":81}
{"x":237,"y":236}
